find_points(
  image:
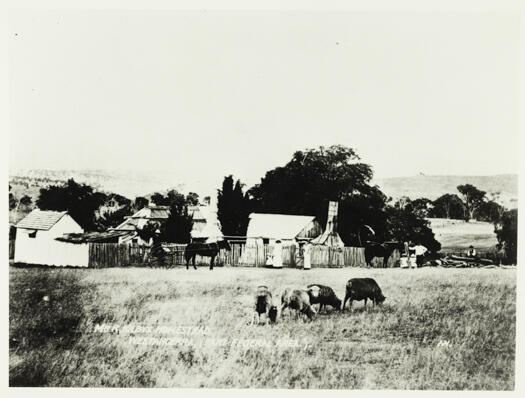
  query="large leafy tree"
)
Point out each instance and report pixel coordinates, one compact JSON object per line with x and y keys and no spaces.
{"x":173,"y":197}
{"x":472,"y":199}
{"x":26,"y":202}
{"x":159,"y":199}
{"x":192,"y":199}
{"x":311,"y":179}
{"x":447,"y":206}
{"x":422,"y":207}
{"x":114,"y":218}
{"x":360,"y":214}
{"x":139,"y":203}
{"x":121,"y":200}
{"x":508,"y":234}
{"x":178,"y":226}
{"x":233,"y":208}
{"x":491,"y":211}
{"x":80,"y":200}
{"x":405,"y":225}
{"x":149,"y":231}
{"x":12,"y":199}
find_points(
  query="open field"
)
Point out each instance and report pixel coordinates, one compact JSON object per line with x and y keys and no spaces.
{"x":438,"y":329}
{"x":458,"y":235}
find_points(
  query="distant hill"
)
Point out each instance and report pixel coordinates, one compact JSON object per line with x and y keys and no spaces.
{"x":144,"y":183}
{"x":127,"y":183}
{"x":433,"y":186}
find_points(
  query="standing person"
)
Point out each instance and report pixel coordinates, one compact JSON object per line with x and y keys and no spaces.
{"x":306,"y":255}
{"x":295,"y":253}
{"x":420,"y":251}
{"x":412,"y":255}
{"x":471,"y":252}
{"x":407,"y":254}
{"x":277,"y":254}
{"x":500,"y":254}
{"x":157,"y":251}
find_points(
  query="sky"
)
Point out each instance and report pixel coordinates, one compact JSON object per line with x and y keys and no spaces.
{"x":211,"y":93}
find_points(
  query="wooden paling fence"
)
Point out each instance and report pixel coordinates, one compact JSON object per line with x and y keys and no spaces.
{"x":11,"y":249}
{"x":104,"y":255}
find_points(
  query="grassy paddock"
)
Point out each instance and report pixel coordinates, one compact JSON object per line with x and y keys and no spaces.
{"x":438,"y":329}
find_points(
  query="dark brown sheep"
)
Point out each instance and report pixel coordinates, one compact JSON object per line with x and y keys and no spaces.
{"x":363,"y":289}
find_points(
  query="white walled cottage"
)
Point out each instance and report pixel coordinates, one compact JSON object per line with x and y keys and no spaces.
{"x":36,"y":240}
{"x":267,"y":228}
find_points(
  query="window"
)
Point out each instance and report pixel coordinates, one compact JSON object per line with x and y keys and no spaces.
{"x":32,"y":234}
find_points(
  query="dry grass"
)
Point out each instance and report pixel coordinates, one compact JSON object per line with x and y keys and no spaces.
{"x":458,"y":235}
{"x":438,"y":329}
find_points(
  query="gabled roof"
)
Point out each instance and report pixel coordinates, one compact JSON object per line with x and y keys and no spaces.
{"x":276,"y":226}
{"x":128,"y":225}
{"x":153,"y":213}
{"x":41,"y":219}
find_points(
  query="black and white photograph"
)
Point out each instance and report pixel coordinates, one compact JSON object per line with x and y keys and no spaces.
{"x":251,"y":196}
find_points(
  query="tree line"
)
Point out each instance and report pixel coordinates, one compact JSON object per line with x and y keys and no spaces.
{"x":303,"y":186}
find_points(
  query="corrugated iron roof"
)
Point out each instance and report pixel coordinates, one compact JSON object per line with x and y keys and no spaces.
{"x":276,"y":226}
{"x":93,"y":236}
{"x":159,"y":212}
{"x":147,"y":213}
{"x":41,"y":219}
{"x":153,"y":212}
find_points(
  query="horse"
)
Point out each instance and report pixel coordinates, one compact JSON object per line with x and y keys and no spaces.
{"x":204,"y":249}
{"x":384,"y":250}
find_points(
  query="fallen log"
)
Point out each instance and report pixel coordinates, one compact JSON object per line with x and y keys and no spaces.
{"x":472,"y":259}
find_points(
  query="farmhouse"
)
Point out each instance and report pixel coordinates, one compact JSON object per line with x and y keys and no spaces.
{"x":138,"y":220}
{"x":36,"y":240}
{"x":267,"y":228}
{"x":205,"y":223}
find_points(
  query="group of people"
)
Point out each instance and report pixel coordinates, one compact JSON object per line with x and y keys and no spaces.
{"x":275,"y":259}
{"x":412,"y":255}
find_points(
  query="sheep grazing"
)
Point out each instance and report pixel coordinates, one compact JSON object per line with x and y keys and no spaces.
{"x":323,"y":295}
{"x":363,"y":289}
{"x":298,"y":300}
{"x":264,"y":305}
